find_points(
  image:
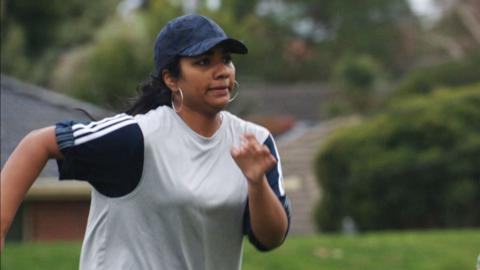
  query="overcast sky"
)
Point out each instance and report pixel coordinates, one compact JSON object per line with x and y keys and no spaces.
{"x":425,"y":8}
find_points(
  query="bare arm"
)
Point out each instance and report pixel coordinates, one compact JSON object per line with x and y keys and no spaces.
{"x":21,"y":170}
{"x":267,"y":215}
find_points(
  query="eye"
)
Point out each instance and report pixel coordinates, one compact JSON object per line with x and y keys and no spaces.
{"x":227,"y":59}
{"x":203,"y":61}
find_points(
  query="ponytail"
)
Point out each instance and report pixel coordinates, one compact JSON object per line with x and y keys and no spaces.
{"x":153,"y":92}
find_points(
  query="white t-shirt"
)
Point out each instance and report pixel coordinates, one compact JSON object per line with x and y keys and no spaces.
{"x":164,"y":197}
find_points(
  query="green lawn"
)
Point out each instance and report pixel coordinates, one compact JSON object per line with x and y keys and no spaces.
{"x":425,"y":250}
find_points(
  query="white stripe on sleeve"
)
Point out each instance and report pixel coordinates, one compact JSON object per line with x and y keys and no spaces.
{"x":89,"y":129}
{"x":103,"y":132}
{"x":279,"y":170}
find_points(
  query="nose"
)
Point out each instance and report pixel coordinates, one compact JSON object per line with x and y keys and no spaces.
{"x":223,"y":71}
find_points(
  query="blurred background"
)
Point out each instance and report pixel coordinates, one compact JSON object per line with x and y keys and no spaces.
{"x":375,"y":106}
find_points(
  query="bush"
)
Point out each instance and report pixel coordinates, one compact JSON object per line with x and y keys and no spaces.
{"x":414,"y":166}
{"x":13,"y":58}
{"x":108,"y":71}
{"x":356,"y":77}
{"x":455,"y":73}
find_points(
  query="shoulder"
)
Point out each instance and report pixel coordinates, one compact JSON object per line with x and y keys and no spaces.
{"x":240,"y":125}
{"x":154,"y":120}
{"x":74,"y":133}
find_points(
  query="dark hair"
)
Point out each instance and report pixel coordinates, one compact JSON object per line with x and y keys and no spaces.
{"x":153,"y":92}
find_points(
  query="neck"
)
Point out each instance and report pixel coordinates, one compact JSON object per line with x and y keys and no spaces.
{"x":202,"y":123}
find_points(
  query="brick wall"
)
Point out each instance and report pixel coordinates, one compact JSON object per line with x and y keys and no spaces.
{"x":55,"y":220}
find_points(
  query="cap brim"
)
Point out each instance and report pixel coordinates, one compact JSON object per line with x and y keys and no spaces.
{"x":231,"y":45}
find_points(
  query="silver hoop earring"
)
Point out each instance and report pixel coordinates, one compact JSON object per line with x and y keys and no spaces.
{"x":173,"y":100}
{"x":235,"y":88}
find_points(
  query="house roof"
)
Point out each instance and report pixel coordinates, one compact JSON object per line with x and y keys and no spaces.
{"x":297,"y":155}
{"x":302,"y":101}
{"x":25,"y":107}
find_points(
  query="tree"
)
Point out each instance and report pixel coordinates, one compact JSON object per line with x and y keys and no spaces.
{"x":356,"y":78}
{"x":372,"y":27}
{"x":457,"y":31}
{"x":43,"y":30}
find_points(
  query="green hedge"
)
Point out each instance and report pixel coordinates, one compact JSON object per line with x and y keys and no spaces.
{"x":450,"y":74}
{"x":414,"y":166}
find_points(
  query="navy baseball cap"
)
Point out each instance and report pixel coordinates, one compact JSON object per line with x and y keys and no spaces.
{"x":191,"y":35}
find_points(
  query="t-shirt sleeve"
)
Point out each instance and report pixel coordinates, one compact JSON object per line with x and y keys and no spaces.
{"x":275,"y":181}
{"x":107,"y":153}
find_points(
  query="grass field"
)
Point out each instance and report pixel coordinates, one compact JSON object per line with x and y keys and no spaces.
{"x":416,"y":250}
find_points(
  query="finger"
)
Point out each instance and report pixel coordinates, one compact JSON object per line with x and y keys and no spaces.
{"x":265,"y":150}
{"x":248,"y":137}
{"x":273,"y":159}
{"x":250,"y":148}
{"x":238,"y":151}
{"x":241,"y":151}
{"x":234,"y":152}
{"x":248,"y":145}
{"x":256,"y":147}
{"x":243,"y":137}
{"x":269,"y":156}
{"x":244,"y":141}
{"x":251,"y":140}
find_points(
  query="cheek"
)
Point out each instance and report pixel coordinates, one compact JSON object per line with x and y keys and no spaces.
{"x":191,"y":78}
{"x":199,"y":82}
{"x":233,"y":69}
{"x":193,"y":85}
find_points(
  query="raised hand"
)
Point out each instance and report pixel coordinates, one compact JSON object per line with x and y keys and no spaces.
{"x":253,"y":158}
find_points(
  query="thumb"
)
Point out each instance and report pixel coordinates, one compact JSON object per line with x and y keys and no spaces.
{"x":234,"y":152}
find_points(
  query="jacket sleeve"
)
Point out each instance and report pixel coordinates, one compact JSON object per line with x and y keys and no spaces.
{"x":107,"y":153}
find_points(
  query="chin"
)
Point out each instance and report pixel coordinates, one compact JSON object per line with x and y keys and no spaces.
{"x":219,"y":105}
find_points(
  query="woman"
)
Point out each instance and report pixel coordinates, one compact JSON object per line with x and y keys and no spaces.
{"x":176,"y":180}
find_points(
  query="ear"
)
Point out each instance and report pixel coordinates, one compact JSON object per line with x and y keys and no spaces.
{"x":169,"y":80}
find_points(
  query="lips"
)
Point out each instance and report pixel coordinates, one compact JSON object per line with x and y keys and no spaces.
{"x":219,"y":91}
{"x":220,"y":87}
